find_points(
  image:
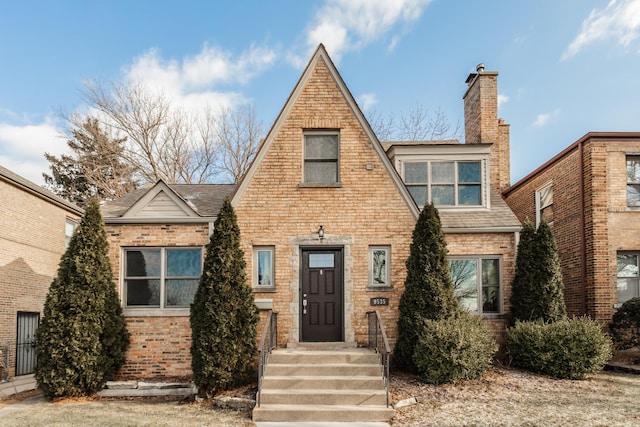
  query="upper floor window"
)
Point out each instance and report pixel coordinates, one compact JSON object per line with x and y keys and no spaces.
{"x":627,"y":276}
{"x":476,"y":282}
{"x":544,"y":204}
{"x":633,"y":180}
{"x":457,"y":183}
{"x":321,"y":158}
{"x":69,"y":228}
{"x":161,"y":277}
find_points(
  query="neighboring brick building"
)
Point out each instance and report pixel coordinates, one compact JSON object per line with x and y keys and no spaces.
{"x":326,"y":222}
{"x":34,"y":229}
{"x":590,"y":194}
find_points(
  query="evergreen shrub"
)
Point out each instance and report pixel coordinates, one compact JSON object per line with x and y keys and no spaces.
{"x":456,"y":348}
{"x":625,"y":325}
{"x":570,"y":348}
{"x":82,"y":338}
{"x":223,"y":314}
{"x":428,"y":289}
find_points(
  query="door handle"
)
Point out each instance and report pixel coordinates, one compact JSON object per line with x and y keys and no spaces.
{"x":304,"y":306}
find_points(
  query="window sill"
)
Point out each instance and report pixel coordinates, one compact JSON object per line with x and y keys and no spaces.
{"x":320,"y":185}
{"x":379,"y":288}
{"x":156,"y":312}
{"x":493,"y":316}
{"x":264,"y":289}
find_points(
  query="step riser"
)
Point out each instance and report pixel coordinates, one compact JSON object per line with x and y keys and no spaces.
{"x":320,"y":383}
{"x":322,"y":415}
{"x":315,"y":359}
{"x":284,"y":398}
{"x":322,"y":370}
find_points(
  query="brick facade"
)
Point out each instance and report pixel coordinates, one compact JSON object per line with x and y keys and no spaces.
{"x":160,"y":344}
{"x":591,"y":218}
{"x":32,"y":241}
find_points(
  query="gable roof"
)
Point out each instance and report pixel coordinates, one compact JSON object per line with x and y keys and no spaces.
{"x":161,"y":202}
{"x":322,"y":55}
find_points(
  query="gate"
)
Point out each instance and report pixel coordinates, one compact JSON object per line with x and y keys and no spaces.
{"x":26,"y":343}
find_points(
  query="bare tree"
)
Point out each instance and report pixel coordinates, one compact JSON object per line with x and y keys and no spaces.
{"x":418,"y":124}
{"x":238,"y":134}
{"x":162,"y":140}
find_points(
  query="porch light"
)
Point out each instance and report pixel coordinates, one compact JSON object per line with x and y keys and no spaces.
{"x":321,"y":232}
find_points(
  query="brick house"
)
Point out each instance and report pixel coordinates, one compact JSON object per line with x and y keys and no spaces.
{"x":589,"y":193}
{"x":35,"y":229}
{"x":326,"y":213}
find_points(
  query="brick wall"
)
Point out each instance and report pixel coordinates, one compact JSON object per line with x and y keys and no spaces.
{"x":32,"y":235}
{"x":609,"y":225}
{"x":160,"y":345}
{"x":483,"y":126}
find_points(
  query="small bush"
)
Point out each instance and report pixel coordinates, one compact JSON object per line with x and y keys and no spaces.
{"x":564,"y":349}
{"x":452,"y":349}
{"x":625,"y":325}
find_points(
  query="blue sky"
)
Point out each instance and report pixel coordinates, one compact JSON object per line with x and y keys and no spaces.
{"x":567,"y":67}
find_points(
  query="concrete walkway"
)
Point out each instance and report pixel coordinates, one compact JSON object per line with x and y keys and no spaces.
{"x":318,"y":424}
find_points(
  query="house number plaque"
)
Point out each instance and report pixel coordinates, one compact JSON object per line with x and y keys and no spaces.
{"x":379,"y":301}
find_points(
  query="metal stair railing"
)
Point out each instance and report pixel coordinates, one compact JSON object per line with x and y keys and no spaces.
{"x":268,"y":341}
{"x":378,"y":341}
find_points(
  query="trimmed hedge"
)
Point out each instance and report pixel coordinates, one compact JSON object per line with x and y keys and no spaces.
{"x":459,"y":347}
{"x":568,"y":349}
{"x":625,"y":325}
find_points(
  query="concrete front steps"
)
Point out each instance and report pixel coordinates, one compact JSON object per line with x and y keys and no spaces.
{"x":323,"y":385}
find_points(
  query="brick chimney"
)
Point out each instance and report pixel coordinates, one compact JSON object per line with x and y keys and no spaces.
{"x":482,"y":125}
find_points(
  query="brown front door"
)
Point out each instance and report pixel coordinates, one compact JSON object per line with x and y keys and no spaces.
{"x":321,"y":295}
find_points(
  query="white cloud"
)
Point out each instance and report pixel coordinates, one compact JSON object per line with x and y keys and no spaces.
{"x":191,"y":83}
{"x":22,"y":147}
{"x":367,"y":100}
{"x":544,"y":118}
{"x":619,"y":20}
{"x":502,"y":99}
{"x":346,"y":25}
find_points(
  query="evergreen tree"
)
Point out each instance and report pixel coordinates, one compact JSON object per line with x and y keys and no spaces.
{"x":223,"y":313}
{"x":82,"y":338}
{"x":96,"y":168}
{"x":538,"y":289}
{"x":428,"y":289}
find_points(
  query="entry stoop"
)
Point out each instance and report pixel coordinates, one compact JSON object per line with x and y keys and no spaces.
{"x":324,"y":385}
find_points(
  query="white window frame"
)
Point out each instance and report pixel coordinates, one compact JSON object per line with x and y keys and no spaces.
{"x":162,"y":308}
{"x":306,"y":183}
{"x":456,"y":181}
{"x":271,"y":250}
{"x":633,"y":278}
{"x":373,"y":284}
{"x":70,"y":226}
{"x":630,"y":182}
{"x":541,"y":206}
{"x":480,"y":285}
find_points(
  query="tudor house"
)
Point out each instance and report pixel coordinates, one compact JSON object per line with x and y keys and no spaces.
{"x":35,"y":230}
{"x":590,"y":195}
{"x":326,"y":212}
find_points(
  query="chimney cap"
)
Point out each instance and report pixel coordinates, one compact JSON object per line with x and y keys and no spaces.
{"x":480,"y":67}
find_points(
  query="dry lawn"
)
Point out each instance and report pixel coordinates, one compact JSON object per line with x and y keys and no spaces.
{"x":503,"y":397}
{"x":508,"y":397}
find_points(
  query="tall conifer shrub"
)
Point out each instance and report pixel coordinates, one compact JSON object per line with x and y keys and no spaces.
{"x":223,"y":313}
{"x":82,"y":338}
{"x":428,"y":290}
{"x":538,"y":289}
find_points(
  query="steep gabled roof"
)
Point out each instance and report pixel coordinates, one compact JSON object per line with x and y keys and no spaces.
{"x":161,"y":202}
{"x":322,"y":55}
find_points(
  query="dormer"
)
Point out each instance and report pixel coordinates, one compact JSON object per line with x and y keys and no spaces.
{"x":452,"y":176}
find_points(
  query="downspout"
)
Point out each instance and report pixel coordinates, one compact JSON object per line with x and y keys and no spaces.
{"x":583,"y":226}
